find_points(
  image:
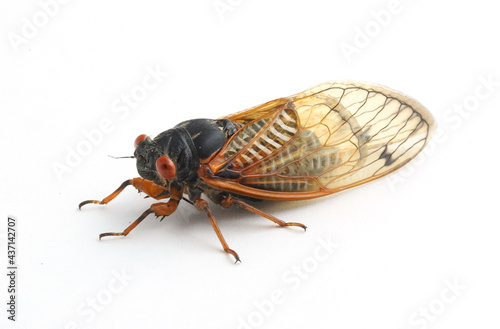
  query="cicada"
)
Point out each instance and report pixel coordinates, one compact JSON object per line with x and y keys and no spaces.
{"x":321,"y":141}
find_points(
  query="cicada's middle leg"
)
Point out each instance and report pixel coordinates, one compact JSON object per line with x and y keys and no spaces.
{"x":202,"y":205}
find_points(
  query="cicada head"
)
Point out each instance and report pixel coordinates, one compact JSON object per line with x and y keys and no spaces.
{"x":169,"y":156}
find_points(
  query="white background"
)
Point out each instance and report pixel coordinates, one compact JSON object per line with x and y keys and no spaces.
{"x":401,"y":242}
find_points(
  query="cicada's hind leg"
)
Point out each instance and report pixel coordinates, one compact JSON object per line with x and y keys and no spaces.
{"x":151,"y":189}
{"x":229,"y":201}
{"x":202,"y":205}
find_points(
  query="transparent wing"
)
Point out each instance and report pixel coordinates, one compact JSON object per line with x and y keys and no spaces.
{"x":328,"y":138}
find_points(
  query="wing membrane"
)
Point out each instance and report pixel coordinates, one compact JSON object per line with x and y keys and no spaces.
{"x":326,"y":139}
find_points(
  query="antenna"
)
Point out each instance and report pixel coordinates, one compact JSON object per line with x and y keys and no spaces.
{"x":128,"y":157}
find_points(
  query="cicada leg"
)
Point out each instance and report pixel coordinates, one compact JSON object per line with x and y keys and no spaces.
{"x":202,"y":205}
{"x":229,"y":201}
{"x":151,"y":189}
{"x":159,"y":209}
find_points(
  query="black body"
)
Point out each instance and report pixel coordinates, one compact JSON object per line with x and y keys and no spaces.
{"x":187,"y":145}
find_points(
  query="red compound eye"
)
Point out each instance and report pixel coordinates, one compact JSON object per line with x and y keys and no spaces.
{"x":165,"y":167}
{"x":139,"y":139}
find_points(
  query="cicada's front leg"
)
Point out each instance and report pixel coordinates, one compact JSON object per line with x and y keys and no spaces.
{"x":151,"y":189}
{"x":158,"y":209}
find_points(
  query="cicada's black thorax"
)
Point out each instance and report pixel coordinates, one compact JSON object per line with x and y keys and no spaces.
{"x":187,"y":145}
{"x":208,"y":136}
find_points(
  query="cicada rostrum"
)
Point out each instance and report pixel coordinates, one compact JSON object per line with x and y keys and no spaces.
{"x":324,"y":140}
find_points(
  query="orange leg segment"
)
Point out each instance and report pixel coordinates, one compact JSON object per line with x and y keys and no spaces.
{"x":202,"y":205}
{"x":159,"y":209}
{"x":151,"y":189}
{"x":229,"y":201}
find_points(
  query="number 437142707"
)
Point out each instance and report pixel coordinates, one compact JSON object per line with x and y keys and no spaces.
{"x":11,"y":241}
